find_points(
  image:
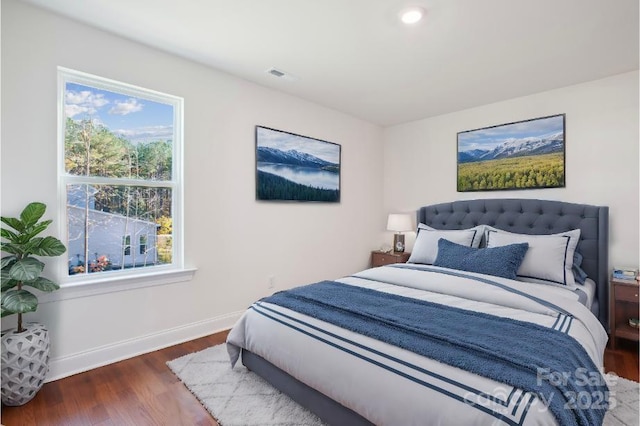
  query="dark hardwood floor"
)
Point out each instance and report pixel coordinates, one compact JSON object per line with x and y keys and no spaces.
{"x":624,"y":361}
{"x":139,"y":391}
{"x":143,"y":391}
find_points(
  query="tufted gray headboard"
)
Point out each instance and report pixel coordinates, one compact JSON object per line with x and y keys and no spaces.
{"x":527,"y":216}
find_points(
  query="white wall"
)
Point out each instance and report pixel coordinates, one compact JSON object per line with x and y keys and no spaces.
{"x":235,"y":242}
{"x":601,"y":154}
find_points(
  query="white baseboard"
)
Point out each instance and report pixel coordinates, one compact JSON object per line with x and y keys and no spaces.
{"x":83,"y":361}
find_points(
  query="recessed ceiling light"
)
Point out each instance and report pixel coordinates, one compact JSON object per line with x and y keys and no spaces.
{"x":411,"y":15}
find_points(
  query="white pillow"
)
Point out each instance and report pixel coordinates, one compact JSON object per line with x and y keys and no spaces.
{"x":425,"y":249}
{"x":549,"y":258}
{"x":477,"y":238}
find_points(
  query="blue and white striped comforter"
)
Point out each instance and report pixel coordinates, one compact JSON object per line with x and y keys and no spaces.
{"x":393,"y":386}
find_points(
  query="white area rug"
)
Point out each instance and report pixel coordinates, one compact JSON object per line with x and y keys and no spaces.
{"x":239,"y":397}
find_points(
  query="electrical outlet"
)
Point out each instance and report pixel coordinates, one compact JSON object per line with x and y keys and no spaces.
{"x":271,"y":283}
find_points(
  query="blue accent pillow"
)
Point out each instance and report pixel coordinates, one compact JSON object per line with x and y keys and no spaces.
{"x":577,"y":258}
{"x":578,"y":273}
{"x":502,"y":261}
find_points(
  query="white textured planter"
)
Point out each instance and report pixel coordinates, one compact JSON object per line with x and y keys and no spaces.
{"x":25,"y":363}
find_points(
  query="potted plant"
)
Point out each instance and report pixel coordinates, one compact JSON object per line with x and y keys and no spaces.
{"x":25,"y":349}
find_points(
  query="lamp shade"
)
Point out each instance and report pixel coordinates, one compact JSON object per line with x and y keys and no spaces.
{"x":399,"y":222}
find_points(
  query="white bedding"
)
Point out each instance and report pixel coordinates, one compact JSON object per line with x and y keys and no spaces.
{"x":583,"y":293}
{"x":391,"y":386}
{"x":589,"y":289}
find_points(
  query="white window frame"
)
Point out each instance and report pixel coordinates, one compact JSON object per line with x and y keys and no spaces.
{"x":108,"y":281}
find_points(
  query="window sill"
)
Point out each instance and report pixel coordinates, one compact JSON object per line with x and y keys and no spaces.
{"x":114,"y":284}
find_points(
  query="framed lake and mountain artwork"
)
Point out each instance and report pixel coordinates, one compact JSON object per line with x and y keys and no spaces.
{"x":291,"y":167}
{"x":522,"y":155}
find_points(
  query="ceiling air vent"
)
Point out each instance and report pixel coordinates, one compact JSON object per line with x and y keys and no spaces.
{"x":276,"y":72}
{"x":280,"y":74}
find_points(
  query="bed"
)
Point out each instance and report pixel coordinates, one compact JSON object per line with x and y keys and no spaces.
{"x":362,"y":377}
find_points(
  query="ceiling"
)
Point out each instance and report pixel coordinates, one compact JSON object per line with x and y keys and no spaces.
{"x":355,"y":56}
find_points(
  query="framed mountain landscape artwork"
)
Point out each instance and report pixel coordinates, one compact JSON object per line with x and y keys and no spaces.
{"x":521,"y":155}
{"x":291,"y":167}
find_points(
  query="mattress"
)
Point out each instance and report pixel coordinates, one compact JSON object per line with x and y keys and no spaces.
{"x":389,"y":385}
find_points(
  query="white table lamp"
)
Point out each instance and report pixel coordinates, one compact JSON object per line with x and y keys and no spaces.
{"x":399,"y":222}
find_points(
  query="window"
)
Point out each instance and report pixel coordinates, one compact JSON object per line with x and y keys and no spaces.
{"x":126,"y":245}
{"x":120,"y":177}
{"x":143,"y":244}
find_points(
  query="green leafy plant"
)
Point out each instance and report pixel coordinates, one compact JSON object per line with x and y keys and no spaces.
{"x":21,"y":268}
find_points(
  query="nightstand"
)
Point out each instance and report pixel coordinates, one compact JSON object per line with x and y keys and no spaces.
{"x":380,"y":258}
{"x":624,"y":305}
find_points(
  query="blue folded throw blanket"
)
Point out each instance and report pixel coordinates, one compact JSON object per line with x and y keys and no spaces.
{"x":502,"y":349}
